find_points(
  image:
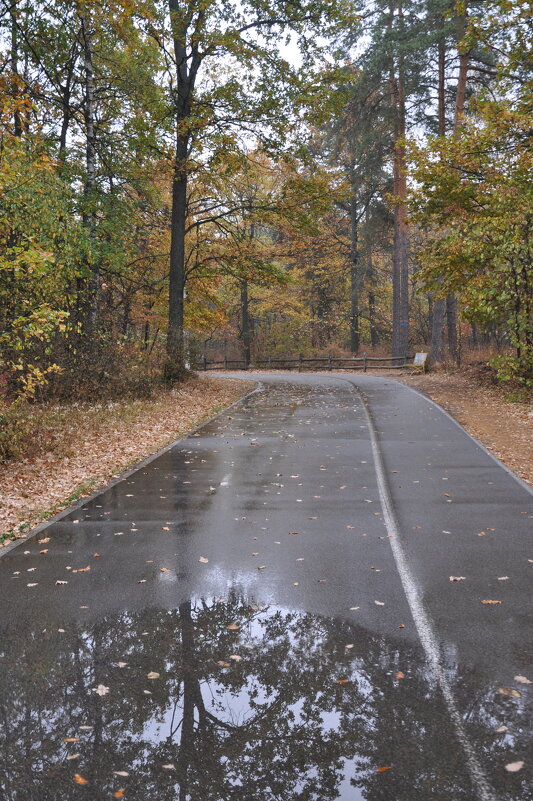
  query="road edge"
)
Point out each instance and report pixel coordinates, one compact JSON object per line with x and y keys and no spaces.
{"x":73,"y":507}
{"x":484,"y":448}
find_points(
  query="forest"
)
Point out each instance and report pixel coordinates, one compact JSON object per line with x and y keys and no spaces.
{"x":267,"y":177}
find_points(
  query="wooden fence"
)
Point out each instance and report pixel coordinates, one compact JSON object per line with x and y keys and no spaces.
{"x":363,"y":363}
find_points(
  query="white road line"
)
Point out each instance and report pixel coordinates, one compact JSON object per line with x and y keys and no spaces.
{"x":424,"y":625}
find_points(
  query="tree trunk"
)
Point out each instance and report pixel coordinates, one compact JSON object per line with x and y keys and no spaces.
{"x":400,"y":259}
{"x":91,"y":302}
{"x":439,"y":307}
{"x":442,"y":84}
{"x":175,"y":351}
{"x":246,"y":331}
{"x":354,"y":277}
{"x":17,"y":122}
{"x":451,"y":301}
{"x":186,"y":66}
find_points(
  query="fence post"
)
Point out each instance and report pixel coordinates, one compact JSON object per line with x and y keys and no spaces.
{"x":300,"y":357}
{"x":270,"y":362}
{"x":205,"y":363}
{"x":225,"y":362}
{"x":364,"y":362}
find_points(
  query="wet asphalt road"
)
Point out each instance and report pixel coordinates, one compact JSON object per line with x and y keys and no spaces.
{"x":256,"y":616}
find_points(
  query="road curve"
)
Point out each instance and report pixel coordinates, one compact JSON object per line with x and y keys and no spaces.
{"x":266,"y":611}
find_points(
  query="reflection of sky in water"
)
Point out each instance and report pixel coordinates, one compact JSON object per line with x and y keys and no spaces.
{"x":235,"y":708}
{"x":279,"y":715}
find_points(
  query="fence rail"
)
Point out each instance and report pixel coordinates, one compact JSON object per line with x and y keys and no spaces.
{"x":319,"y":363}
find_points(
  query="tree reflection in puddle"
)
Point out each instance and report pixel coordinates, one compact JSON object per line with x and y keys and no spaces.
{"x":223,"y":701}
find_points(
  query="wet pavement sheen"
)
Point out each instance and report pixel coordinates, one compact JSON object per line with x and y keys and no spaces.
{"x":228,"y":623}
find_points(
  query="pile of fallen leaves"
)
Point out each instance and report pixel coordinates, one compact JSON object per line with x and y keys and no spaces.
{"x":91,"y":444}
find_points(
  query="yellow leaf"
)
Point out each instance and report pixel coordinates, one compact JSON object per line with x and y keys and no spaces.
{"x":509,"y":691}
{"x":79,"y":779}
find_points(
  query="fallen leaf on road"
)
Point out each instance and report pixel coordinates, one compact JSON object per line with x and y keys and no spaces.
{"x":82,"y":569}
{"x":119,"y":793}
{"x":71,"y":739}
{"x":121,"y":664}
{"x":32,"y":585}
{"x":45,"y":550}
{"x":96,"y":556}
{"x":152,"y":675}
{"x":101,"y":690}
{"x":233,"y":627}
{"x":73,"y":756}
{"x":165,"y":528}
{"x":44,"y":540}
{"x":61,"y":583}
{"x":235,"y":658}
{"x":503,"y":578}
{"x":399,"y":675}
{"x":501,"y":729}
{"x":165,"y":570}
{"x":261,"y":567}
{"x":482,"y":534}
{"x":343,"y":681}
{"x":457,"y":578}
{"x":382,"y":770}
{"x":168,"y":767}
{"x":509,"y":691}
{"x":203,"y":560}
{"x":79,"y":779}
{"x":513,"y":767}
{"x":379,"y":603}
{"x":523,"y":680}
{"x":491,"y":602}
{"x":121,"y":773}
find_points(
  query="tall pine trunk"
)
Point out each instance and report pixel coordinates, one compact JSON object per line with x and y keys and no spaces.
{"x":91,"y":287}
{"x":354,"y":276}
{"x":463,"y":52}
{"x":439,"y":307}
{"x":400,"y":255}
{"x":15,"y":78}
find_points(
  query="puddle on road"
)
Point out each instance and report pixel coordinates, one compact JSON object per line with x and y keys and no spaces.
{"x":222,"y":699}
